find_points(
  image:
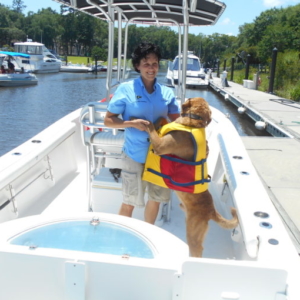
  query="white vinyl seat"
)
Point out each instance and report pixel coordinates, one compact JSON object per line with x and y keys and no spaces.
{"x":104,"y":145}
{"x":107,"y":140}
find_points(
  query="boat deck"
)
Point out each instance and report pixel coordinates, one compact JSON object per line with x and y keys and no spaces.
{"x":276,"y":159}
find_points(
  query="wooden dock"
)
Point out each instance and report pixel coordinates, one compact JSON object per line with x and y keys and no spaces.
{"x":277,"y":158}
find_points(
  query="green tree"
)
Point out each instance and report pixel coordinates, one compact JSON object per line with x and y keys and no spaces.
{"x":100,"y":53}
{"x":18,"y":6}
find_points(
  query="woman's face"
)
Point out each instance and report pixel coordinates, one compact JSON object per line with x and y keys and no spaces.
{"x":149,"y":67}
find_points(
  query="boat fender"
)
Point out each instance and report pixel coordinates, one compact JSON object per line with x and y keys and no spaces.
{"x":241,"y":110}
{"x":261,"y":125}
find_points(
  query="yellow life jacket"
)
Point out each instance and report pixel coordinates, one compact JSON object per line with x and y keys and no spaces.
{"x":172,"y":172}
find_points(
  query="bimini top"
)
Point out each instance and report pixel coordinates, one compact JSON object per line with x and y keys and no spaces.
{"x":14,"y":54}
{"x":200,"y":12}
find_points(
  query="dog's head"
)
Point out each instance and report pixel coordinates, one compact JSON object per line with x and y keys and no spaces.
{"x":195,"y":113}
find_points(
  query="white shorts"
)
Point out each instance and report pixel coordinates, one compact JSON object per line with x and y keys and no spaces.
{"x":134,"y":187}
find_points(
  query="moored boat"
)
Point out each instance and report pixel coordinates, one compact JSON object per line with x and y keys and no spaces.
{"x":62,"y":237}
{"x":41,"y":61}
{"x":16,"y":78}
{"x":195,"y":73}
{"x":75,"y":68}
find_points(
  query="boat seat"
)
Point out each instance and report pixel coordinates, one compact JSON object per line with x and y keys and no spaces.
{"x":106,"y":141}
{"x":104,"y":145}
{"x":102,"y":141}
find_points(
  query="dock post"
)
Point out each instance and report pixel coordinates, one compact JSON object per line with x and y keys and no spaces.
{"x":218,"y":68}
{"x":273,"y":68}
{"x":96,"y":62}
{"x":224,"y":64}
{"x":247,"y":67}
{"x":232,"y":68}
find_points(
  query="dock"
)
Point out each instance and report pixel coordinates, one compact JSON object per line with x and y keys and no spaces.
{"x":276,"y":158}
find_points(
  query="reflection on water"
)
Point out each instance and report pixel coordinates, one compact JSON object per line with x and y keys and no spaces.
{"x":25,"y":111}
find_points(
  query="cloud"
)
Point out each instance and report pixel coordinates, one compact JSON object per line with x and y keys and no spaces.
{"x":226,"y":21}
{"x":273,"y":3}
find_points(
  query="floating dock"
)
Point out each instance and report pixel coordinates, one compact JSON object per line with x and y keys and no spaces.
{"x":277,"y":158}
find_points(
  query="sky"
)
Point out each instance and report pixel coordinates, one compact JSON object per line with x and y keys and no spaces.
{"x":237,"y":13}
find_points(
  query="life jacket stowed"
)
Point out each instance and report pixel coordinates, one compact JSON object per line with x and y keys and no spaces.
{"x":172,"y":172}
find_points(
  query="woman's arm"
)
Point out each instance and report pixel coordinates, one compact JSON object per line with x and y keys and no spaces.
{"x":113,"y":121}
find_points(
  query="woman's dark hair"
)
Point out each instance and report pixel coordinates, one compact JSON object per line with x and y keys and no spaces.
{"x":141,"y":51}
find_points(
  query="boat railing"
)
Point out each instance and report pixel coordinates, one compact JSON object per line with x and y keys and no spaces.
{"x":103,"y":145}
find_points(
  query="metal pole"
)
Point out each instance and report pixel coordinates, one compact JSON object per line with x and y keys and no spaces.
{"x":247,"y":67}
{"x":273,"y":67}
{"x":111,"y":29}
{"x":232,"y":69}
{"x":96,"y":69}
{"x":119,"y":47}
{"x":185,"y":45}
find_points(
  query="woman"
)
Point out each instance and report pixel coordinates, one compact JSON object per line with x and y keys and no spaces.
{"x":139,"y":101}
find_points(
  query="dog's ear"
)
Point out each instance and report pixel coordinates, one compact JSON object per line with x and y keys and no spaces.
{"x":186,"y":104}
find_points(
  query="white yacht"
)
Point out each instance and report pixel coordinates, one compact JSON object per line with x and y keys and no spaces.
{"x":41,"y":59}
{"x":195,"y":74}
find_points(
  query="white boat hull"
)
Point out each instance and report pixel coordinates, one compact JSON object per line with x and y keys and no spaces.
{"x":45,"y":182}
{"x":11,"y":80}
{"x":47,"y":67}
{"x":195,"y":75}
{"x":75,"y":69}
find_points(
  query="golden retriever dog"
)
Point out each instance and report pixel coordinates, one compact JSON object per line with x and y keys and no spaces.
{"x":199,"y":208}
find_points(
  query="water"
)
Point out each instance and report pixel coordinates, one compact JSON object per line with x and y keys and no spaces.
{"x":25,"y":111}
{"x":81,"y":236}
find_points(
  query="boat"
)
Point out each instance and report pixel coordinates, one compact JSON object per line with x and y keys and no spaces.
{"x":61,"y":235}
{"x":75,"y":68}
{"x":195,"y":73}
{"x":99,"y":68}
{"x":41,"y":61}
{"x":17,"y":78}
{"x":115,"y":69}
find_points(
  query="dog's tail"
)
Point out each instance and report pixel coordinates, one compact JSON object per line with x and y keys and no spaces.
{"x":227,"y":224}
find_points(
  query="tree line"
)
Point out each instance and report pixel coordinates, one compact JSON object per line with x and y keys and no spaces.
{"x":70,"y":29}
{"x":70,"y":32}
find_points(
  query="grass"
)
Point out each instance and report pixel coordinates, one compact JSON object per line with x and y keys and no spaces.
{"x":287,"y":90}
{"x":88,"y":60}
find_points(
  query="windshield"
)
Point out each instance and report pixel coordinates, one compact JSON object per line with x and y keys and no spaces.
{"x":193,"y":64}
{"x":29,"y":49}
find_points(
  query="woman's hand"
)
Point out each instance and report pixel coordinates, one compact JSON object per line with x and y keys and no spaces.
{"x":139,"y":124}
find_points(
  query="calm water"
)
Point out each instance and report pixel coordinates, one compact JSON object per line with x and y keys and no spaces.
{"x":25,"y":111}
